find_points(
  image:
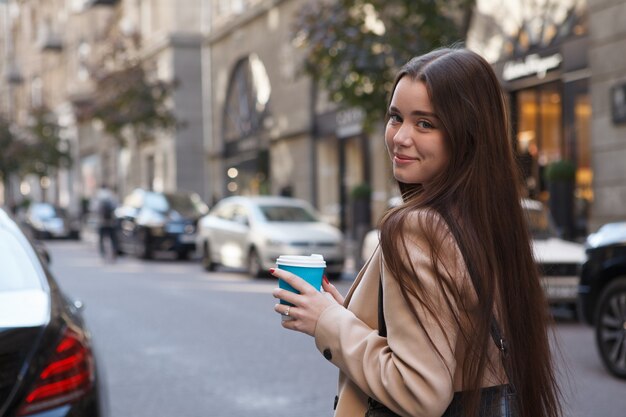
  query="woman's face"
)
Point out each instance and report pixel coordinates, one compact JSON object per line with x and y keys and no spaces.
{"x":413,"y":135}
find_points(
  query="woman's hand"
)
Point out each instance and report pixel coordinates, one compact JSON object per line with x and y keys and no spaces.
{"x":330,"y":289}
{"x":307,"y":306}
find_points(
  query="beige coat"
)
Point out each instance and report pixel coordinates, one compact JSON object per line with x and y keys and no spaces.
{"x":403,"y":370}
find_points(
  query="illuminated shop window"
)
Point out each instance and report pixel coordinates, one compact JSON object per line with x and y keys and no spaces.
{"x":582,"y":125}
{"x":539,"y":133}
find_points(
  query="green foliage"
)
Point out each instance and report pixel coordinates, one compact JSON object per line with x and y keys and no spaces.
{"x":37,"y":150}
{"x":560,"y":171}
{"x":361,"y":191}
{"x":355,"y":47}
{"x":46,"y":151}
{"x":127,"y":99}
{"x":13,"y":150}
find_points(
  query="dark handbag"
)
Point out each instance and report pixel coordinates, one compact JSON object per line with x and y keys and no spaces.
{"x":496,"y":401}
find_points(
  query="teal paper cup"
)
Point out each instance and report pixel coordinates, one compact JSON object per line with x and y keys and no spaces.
{"x":310,"y":268}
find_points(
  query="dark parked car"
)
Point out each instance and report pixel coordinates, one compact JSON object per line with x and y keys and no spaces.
{"x":47,"y":362}
{"x":602,"y":294}
{"x":151,"y":221}
{"x":48,"y":221}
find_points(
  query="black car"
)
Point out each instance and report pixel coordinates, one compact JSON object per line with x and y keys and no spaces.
{"x":602,"y":294}
{"x":151,"y":221}
{"x":47,"y":362}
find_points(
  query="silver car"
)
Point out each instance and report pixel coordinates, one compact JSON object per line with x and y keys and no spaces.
{"x":251,"y":232}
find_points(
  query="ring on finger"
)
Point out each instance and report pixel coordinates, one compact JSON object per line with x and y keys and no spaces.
{"x":286,"y":312}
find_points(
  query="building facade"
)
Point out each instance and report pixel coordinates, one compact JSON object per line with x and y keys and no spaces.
{"x":48,"y":64}
{"x":607,"y":60}
{"x":272,"y":130}
{"x":254,"y":123}
{"x":541,"y":57}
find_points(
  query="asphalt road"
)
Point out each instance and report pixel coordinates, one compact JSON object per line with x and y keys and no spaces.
{"x":174,"y":341}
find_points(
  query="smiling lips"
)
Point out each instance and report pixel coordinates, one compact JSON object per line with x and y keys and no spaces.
{"x":403,"y":159}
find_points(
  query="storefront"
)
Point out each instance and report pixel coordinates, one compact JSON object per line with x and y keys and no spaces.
{"x":344,"y":177}
{"x":548,"y":92}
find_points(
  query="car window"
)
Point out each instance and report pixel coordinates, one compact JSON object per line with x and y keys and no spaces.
{"x":133,"y":200}
{"x":19,"y":265}
{"x":240,"y":214}
{"x":276,"y":213}
{"x":156,"y":202}
{"x":223,"y":211}
{"x":190,"y":205}
{"x":44,"y":211}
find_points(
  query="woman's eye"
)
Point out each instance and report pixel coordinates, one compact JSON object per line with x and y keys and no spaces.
{"x":425,"y":124}
{"x":395,"y":118}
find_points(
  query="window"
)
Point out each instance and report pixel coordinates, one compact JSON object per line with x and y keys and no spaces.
{"x":539,"y":135}
{"x":287,"y":214}
{"x":246,"y":102}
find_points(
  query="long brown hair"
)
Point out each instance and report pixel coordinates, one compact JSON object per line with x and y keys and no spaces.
{"x":478,"y":197}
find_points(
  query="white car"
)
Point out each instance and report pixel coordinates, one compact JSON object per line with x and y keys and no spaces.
{"x":560,"y":260}
{"x":251,"y":232}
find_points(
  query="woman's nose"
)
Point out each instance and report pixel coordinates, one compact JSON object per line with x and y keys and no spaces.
{"x":403,"y":135}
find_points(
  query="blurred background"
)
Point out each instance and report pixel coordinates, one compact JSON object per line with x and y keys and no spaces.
{"x":222,"y":133}
{"x":274,"y":97}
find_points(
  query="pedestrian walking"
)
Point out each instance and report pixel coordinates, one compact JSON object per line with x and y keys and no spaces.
{"x":448,"y":316}
{"x":105,"y":205}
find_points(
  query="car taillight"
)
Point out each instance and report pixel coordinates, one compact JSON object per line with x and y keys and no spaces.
{"x":68,"y":375}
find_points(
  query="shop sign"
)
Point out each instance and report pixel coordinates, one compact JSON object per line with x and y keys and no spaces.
{"x":531,"y":65}
{"x":349,"y":122}
{"x":618,"y":103}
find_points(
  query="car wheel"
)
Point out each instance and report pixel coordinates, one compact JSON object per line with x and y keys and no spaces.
{"x":142,"y":245}
{"x":611,"y":327}
{"x":255,"y":267}
{"x":207,"y":262}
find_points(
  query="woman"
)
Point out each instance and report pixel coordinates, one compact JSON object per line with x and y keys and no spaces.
{"x":454,"y":258}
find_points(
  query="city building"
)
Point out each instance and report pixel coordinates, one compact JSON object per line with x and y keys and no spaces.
{"x":607,"y":59}
{"x":272,"y":130}
{"x":47,"y":63}
{"x":252,"y":122}
{"x":540,"y":55}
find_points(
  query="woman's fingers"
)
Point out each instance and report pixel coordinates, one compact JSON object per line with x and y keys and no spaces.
{"x":286,"y":295}
{"x":295,"y":281}
{"x":307,"y":305}
{"x":284,"y":310}
{"x":332,"y":290}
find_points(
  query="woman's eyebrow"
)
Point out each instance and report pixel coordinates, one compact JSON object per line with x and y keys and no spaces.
{"x":414,"y":112}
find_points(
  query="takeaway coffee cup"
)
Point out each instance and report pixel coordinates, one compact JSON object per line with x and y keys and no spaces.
{"x":310,"y":268}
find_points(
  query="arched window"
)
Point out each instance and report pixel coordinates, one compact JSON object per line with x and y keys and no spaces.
{"x":246,"y":153}
{"x":247,"y":100}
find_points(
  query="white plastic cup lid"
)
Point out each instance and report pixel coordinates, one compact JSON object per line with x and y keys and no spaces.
{"x":313,"y":261}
